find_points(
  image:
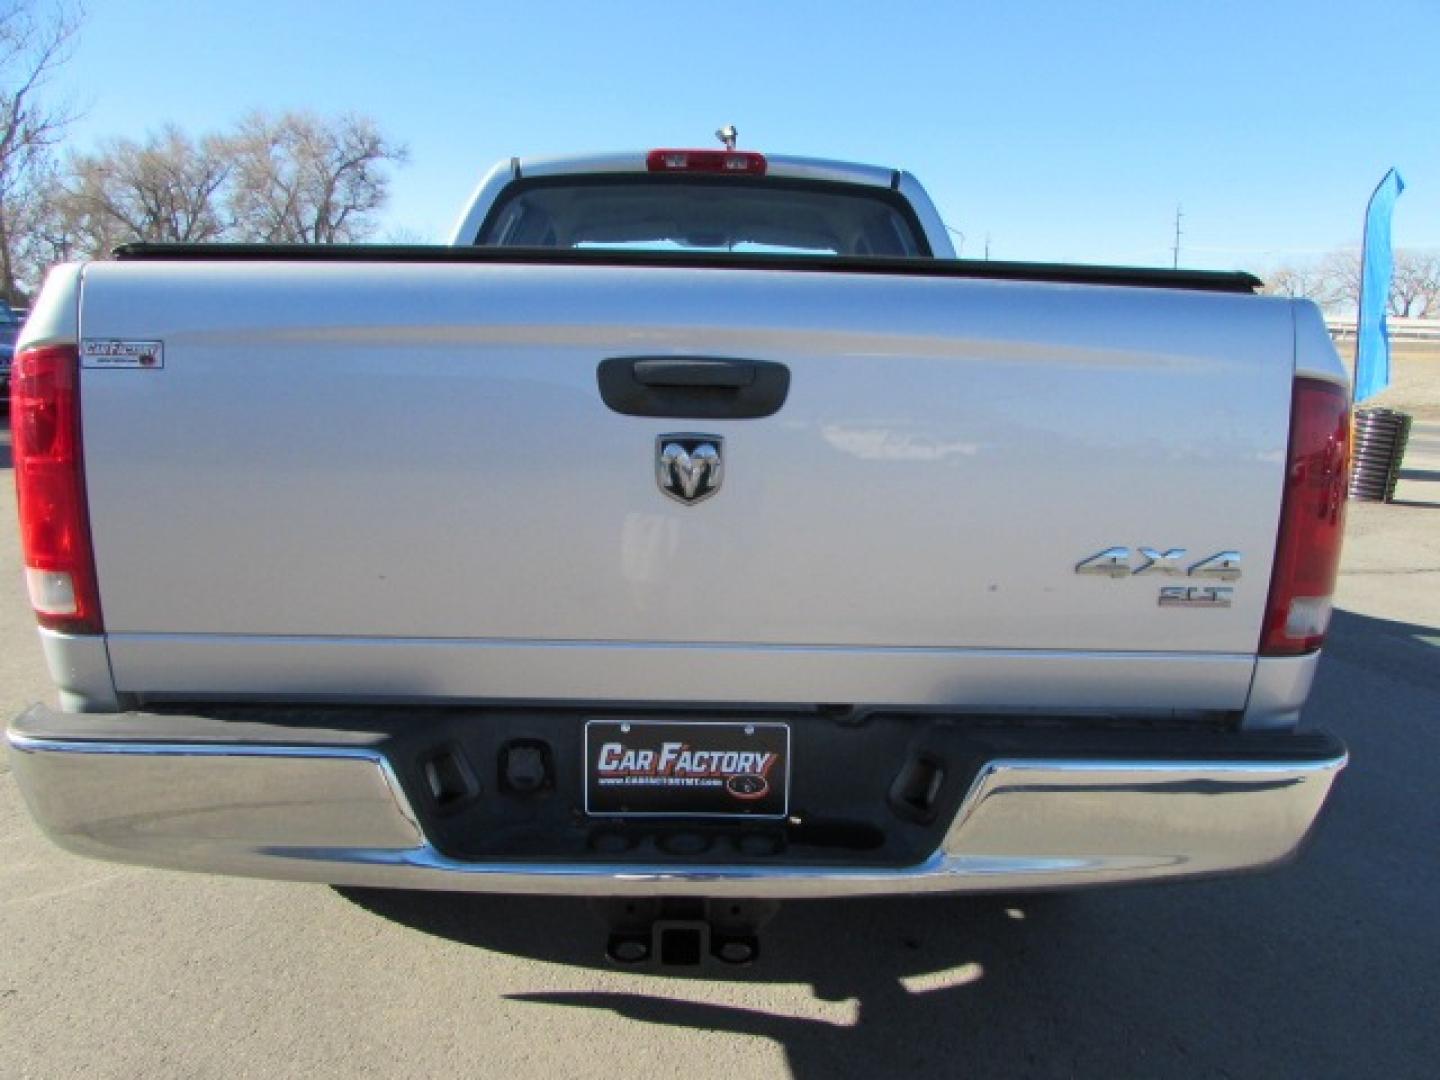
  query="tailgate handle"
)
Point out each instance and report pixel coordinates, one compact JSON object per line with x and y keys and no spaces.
{"x":693,"y":371}
{"x":693,"y":387}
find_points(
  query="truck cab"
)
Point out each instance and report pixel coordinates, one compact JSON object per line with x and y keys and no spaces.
{"x":691,"y":200}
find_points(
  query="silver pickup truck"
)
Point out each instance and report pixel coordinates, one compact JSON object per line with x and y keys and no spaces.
{"x":693,"y":525}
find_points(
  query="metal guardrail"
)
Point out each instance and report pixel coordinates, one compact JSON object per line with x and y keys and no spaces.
{"x":1400,"y":329}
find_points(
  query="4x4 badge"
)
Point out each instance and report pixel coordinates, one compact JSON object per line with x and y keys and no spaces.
{"x":1116,"y":562}
{"x":689,"y":468}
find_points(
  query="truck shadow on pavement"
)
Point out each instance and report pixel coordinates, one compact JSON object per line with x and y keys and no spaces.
{"x":1284,"y":973}
{"x":885,"y":985}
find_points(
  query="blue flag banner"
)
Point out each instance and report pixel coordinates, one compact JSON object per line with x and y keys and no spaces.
{"x":1377,"y":263}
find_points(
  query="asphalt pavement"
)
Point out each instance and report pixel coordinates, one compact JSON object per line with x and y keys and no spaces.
{"x":1327,"y":967}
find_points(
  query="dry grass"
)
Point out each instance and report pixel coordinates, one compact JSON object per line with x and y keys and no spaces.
{"x":1414,"y":378}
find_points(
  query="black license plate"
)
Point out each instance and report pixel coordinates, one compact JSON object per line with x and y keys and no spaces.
{"x":694,"y":769}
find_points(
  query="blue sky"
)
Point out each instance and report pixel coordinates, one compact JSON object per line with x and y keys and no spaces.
{"x":1065,"y":131}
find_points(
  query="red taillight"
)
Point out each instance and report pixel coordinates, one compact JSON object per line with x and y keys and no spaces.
{"x":1312,"y":520}
{"x":734,"y":162}
{"x":50,"y":486}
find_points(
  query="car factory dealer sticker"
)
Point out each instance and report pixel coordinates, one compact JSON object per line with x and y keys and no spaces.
{"x":709,"y":769}
{"x":101,"y":353}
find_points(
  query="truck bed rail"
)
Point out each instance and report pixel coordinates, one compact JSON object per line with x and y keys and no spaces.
{"x":1060,"y":273}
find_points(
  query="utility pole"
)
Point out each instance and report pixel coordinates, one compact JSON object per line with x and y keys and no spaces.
{"x":987,"y":247}
{"x":1175,"y":262}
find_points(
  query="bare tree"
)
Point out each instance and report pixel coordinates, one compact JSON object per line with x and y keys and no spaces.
{"x":1415,"y":291}
{"x":33,"y":45}
{"x":1414,"y":285}
{"x":296,"y":178}
{"x":405,"y":235}
{"x":1341,"y":269}
{"x":165,"y":189}
{"x":300,"y":178}
{"x":40,"y":232}
{"x":1304,"y":281}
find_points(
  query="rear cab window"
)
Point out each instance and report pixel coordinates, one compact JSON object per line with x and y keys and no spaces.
{"x":704,"y":214}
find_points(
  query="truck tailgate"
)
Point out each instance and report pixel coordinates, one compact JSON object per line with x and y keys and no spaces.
{"x":401,"y":480}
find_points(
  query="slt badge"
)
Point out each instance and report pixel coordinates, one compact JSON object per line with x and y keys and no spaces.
{"x":689,"y":468}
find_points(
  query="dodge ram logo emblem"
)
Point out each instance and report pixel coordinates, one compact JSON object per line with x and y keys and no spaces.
{"x":689,"y":468}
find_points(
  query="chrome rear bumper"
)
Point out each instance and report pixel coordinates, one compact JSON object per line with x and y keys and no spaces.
{"x":336,"y":813}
